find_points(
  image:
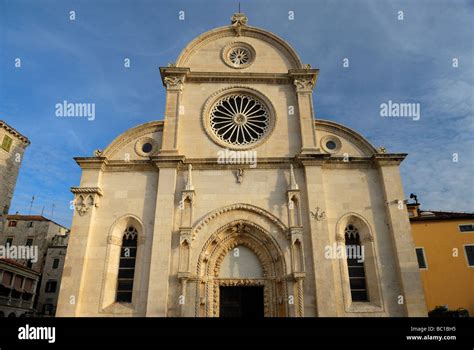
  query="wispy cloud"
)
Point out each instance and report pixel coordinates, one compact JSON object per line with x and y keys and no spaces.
{"x":82,"y":61}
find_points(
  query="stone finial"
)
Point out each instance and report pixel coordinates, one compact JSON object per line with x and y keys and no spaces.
{"x":189,"y":181}
{"x":238,"y":20}
{"x":98,"y":153}
{"x":293,"y":184}
{"x":382,"y":149}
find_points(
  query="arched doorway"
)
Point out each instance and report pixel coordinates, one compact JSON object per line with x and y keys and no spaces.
{"x":241,"y":268}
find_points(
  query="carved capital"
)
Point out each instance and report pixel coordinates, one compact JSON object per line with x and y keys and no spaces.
{"x":141,"y":239}
{"x":174,"y":83}
{"x":303,"y":85}
{"x":113,"y":240}
{"x":367,"y":239}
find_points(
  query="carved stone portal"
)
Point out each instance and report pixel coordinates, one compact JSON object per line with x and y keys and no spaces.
{"x":265,"y":247}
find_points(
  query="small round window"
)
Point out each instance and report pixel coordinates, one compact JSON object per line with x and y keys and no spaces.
{"x":331,"y":145}
{"x":147,"y":147}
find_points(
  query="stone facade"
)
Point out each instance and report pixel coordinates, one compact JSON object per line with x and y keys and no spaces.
{"x":51,"y":274}
{"x":17,"y":289}
{"x":48,"y":237}
{"x":190,"y":189}
{"x":12,"y":147}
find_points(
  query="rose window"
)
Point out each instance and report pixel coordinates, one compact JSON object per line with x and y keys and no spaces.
{"x":239,"y":56}
{"x":239,"y":119}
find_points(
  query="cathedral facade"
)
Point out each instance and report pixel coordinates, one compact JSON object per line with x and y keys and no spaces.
{"x":240,"y":202}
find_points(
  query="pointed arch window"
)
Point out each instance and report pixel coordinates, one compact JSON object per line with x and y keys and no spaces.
{"x":355,"y":264}
{"x":128,"y":254}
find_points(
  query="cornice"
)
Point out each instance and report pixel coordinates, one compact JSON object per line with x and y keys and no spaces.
{"x":168,"y":161}
{"x":239,"y":77}
{"x":87,"y":190}
{"x":14,"y":132}
{"x":245,"y":31}
{"x":131,"y":134}
{"x":92,"y":162}
{"x":346,"y":133}
{"x":389,"y":158}
{"x":181,"y":162}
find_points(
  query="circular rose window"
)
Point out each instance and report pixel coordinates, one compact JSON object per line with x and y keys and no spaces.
{"x":238,"y":55}
{"x":239,"y":119}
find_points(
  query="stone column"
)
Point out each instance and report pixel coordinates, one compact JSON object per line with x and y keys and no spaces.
{"x":173,"y":80}
{"x":158,"y":288}
{"x":399,"y":225}
{"x":305,"y":81}
{"x":320,"y":237}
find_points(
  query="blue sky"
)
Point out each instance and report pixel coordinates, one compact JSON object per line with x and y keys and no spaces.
{"x":82,"y":61}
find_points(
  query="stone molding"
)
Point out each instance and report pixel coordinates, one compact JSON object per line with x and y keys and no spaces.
{"x":264,"y":246}
{"x":130,"y":135}
{"x":229,"y":31}
{"x":15,"y":133}
{"x":239,"y":206}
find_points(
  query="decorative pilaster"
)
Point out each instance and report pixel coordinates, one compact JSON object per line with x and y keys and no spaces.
{"x":158,"y":284}
{"x":86,"y":203}
{"x":294,"y":207}
{"x":320,"y":237}
{"x":305,"y":81}
{"x":400,"y":233}
{"x":185,"y":238}
{"x":295,"y":236}
{"x":173,"y":79}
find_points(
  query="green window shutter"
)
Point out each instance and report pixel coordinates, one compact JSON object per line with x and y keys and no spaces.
{"x":7,"y":143}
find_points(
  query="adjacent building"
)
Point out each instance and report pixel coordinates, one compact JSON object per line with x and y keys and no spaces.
{"x":444,"y":244}
{"x":18,"y":285}
{"x":238,"y":202}
{"x":12,"y":147}
{"x":31,"y":230}
{"x":44,"y":244}
{"x":51,"y":275}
